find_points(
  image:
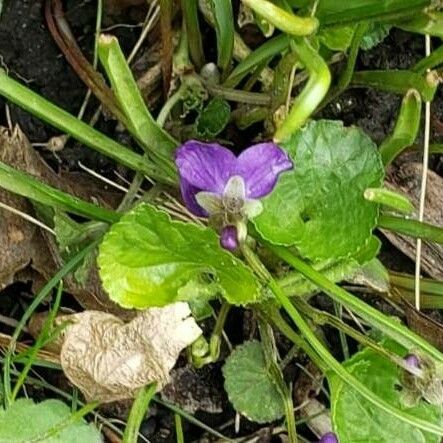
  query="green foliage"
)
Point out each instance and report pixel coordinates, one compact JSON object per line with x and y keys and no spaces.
{"x":337,"y":38}
{"x":319,"y":206}
{"x":375,"y":34}
{"x":356,"y":419}
{"x":25,"y":421}
{"x":249,"y":385}
{"x":146,"y":258}
{"x":213,"y":118}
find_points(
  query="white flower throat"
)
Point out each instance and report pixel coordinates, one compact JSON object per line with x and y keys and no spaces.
{"x":232,"y":203}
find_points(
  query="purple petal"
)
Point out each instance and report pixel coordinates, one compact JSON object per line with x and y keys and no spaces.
{"x":412,"y":360}
{"x":205,"y":166}
{"x":188,"y":193}
{"x":329,"y":437}
{"x":260,"y":166}
{"x":229,"y":238}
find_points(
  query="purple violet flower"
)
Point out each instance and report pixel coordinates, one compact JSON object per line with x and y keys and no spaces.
{"x":217,"y":184}
{"x":329,"y":437}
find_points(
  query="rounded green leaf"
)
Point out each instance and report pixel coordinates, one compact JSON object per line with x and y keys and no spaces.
{"x":25,"y":421}
{"x":319,"y":206}
{"x":355,"y":419}
{"x":146,"y":258}
{"x":249,"y":387}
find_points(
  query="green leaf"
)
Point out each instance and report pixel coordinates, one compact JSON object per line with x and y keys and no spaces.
{"x":375,"y":34}
{"x":337,"y":38}
{"x":214,"y":118}
{"x":224,"y":28}
{"x":25,"y":420}
{"x":319,"y":206}
{"x":146,"y":258}
{"x":355,"y":419}
{"x":249,"y":386}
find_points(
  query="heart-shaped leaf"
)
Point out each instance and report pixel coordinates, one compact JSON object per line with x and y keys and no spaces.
{"x":249,"y":385}
{"x":356,"y":419}
{"x":319,"y":206}
{"x":146,"y":258}
{"x":26,"y":421}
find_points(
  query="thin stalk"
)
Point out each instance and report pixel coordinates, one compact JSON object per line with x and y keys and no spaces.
{"x":312,"y":94}
{"x":270,"y":356}
{"x":397,"y":82}
{"x":405,"y":281}
{"x":179,"y":436}
{"x":338,"y":309}
{"x":70,"y":266}
{"x":406,"y":128}
{"x":393,"y":329}
{"x":30,"y":187}
{"x":267,"y":50}
{"x":76,"y":416}
{"x":424,"y":22}
{"x":413,"y":228}
{"x":40,"y":342}
{"x":324,"y":353}
{"x":282,"y":19}
{"x":59,"y":118}
{"x":237,"y":95}
{"x":430,"y":62}
{"x":190,"y":14}
{"x":138,"y":412}
{"x":216,"y":336}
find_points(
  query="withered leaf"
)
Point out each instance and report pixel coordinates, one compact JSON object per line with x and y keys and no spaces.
{"x":110,"y":360}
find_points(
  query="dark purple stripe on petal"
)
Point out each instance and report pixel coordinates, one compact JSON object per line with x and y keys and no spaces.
{"x":260,"y":166}
{"x":188,"y":193}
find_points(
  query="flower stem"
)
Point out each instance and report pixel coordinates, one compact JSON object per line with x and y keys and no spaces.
{"x":391,"y":199}
{"x":268,"y":346}
{"x":138,"y":411}
{"x":413,"y":228}
{"x":393,"y":329}
{"x":324,"y":353}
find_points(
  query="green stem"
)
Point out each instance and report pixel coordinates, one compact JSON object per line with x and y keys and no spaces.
{"x":237,"y":95}
{"x":223,"y":15}
{"x":269,"y":352}
{"x":406,"y":128}
{"x":390,"y":199}
{"x":434,"y":59}
{"x":397,"y":82}
{"x":180,"y":438}
{"x":312,"y":94}
{"x":190,"y":14}
{"x":39,"y":343}
{"x":57,"y":117}
{"x":76,"y":416}
{"x":216,"y":336}
{"x":28,"y":186}
{"x":324,"y":318}
{"x":324,"y":353}
{"x":138,"y":412}
{"x":267,"y":50}
{"x":283,"y":20}
{"x":390,"y":327}
{"x":413,"y":228}
{"x":424,"y":22}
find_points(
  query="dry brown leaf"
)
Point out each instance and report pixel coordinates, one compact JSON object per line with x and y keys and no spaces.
{"x":110,"y":360}
{"x":24,"y":244}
